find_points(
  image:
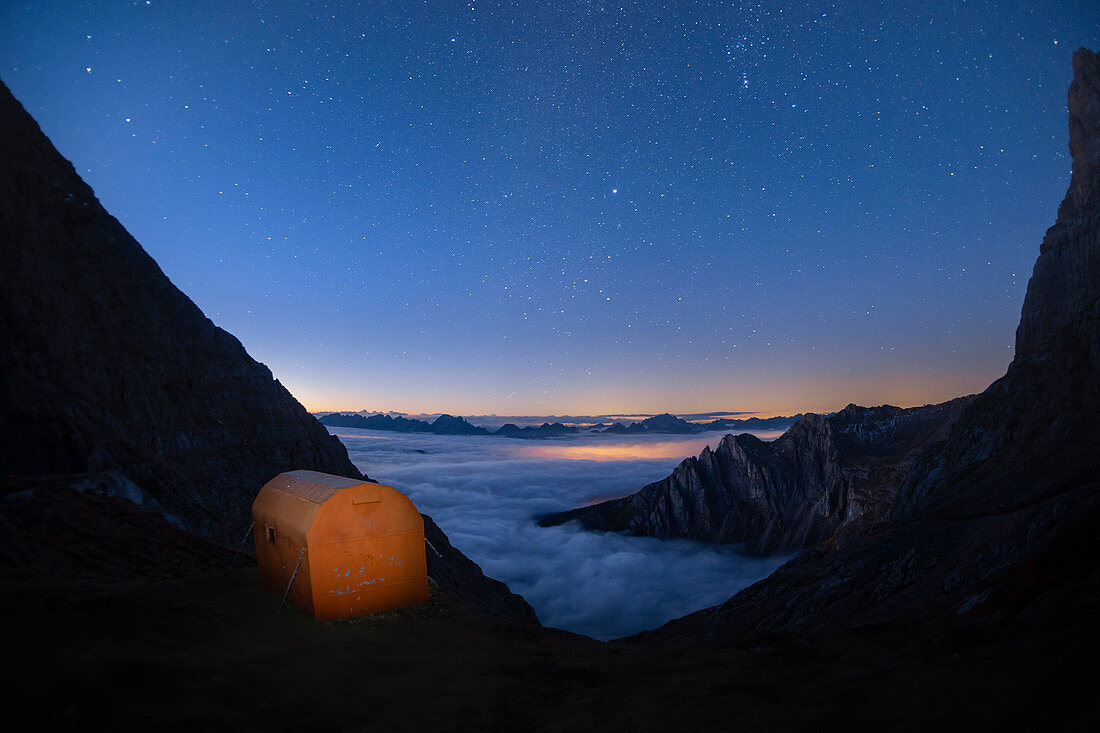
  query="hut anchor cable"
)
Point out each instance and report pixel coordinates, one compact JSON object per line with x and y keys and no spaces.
{"x":292,"y":577}
{"x":239,"y":549}
{"x":248,"y":532}
{"x":433,"y":548}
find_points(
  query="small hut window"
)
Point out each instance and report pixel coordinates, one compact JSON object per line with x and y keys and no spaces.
{"x":270,"y":533}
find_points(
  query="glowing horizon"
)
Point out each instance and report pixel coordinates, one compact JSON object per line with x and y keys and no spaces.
{"x":630,"y":451}
{"x":554,"y":208}
{"x":809,"y":395}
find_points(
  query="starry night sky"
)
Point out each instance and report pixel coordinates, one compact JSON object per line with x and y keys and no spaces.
{"x":577,"y":207}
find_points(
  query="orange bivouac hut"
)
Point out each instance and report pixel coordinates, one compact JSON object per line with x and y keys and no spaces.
{"x":357,"y":547}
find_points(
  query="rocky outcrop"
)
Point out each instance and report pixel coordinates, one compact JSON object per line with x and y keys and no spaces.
{"x":1060,"y":309}
{"x":116,"y":387}
{"x":1001,"y":524}
{"x":791,"y":493}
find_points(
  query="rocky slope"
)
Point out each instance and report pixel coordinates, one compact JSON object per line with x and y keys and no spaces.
{"x":1001,"y":525}
{"x":791,"y":493}
{"x":115,"y":384}
{"x":110,"y":369}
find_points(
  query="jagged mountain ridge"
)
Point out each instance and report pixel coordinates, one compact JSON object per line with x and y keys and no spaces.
{"x":444,"y":425}
{"x":667,"y":423}
{"x":998,"y":529}
{"x":530,"y":432}
{"x":663,"y":423}
{"x":116,"y":385}
{"x":778,"y":496}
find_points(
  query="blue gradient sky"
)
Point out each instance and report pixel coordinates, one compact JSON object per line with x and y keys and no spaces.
{"x":577,"y":206}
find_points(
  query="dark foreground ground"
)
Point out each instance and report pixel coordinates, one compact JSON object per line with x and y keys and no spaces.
{"x":109,"y":617}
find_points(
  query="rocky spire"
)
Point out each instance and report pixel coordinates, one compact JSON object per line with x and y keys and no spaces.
{"x":1063,"y":297}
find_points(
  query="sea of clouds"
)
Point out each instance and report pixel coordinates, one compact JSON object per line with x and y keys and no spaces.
{"x":485,"y":492}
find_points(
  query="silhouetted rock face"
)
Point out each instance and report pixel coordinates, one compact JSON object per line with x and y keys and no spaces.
{"x":1041,"y":401}
{"x":114,"y":384}
{"x":107,"y":366}
{"x":1002,"y":521}
{"x":791,"y":493}
{"x":1062,"y":298}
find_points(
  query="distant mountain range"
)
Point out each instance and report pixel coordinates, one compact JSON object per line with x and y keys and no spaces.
{"x":451,"y":425}
{"x":491,"y":421}
{"x":667,"y":423}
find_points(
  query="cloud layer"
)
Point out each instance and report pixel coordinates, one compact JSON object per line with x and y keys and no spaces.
{"x":485,"y":491}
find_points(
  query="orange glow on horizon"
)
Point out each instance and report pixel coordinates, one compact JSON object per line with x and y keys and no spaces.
{"x":630,"y":451}
{"x":772,"y":396}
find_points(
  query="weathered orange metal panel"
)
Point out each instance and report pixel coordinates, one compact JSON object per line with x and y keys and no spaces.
{"x":367,"y":553}
{"x":364,"y":544}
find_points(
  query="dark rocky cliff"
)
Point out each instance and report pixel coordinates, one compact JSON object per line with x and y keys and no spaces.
{"x":1000,"y":528}
{"x":110,"y":369}
{"x":114,"y":383}
{"x":791,"y":493}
